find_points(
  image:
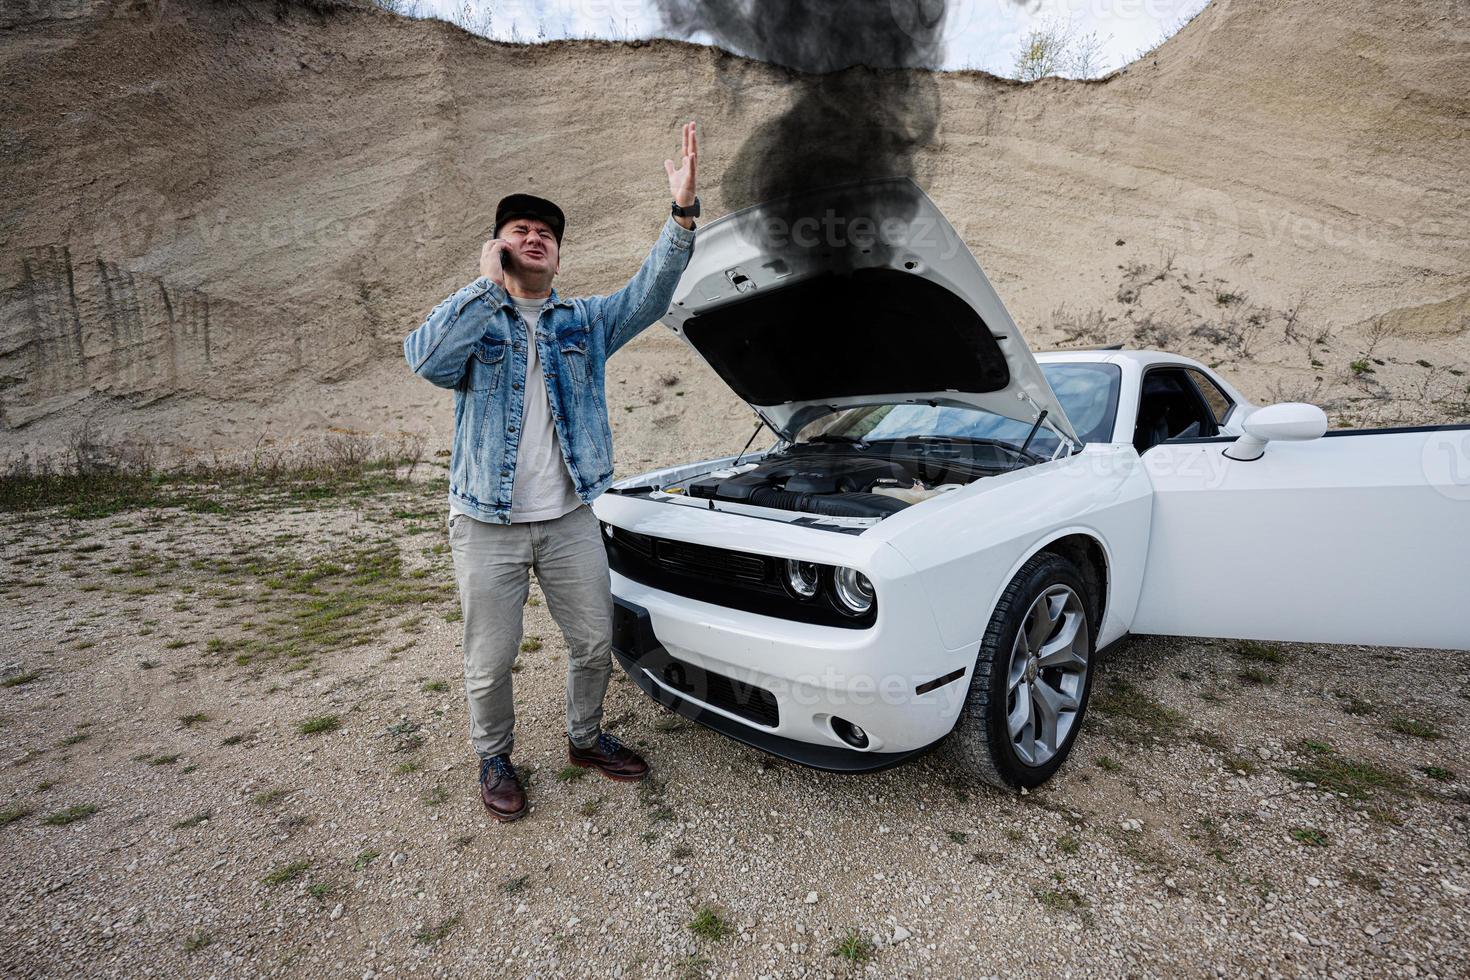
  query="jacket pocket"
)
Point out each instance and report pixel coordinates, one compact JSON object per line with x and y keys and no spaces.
{"x":486,"y":363}
{"x":573,"y":346}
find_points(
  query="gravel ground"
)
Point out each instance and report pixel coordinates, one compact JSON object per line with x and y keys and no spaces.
{"x":1229,"y":808}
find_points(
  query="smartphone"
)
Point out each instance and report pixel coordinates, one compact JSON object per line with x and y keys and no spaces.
{"x":504,"y":258}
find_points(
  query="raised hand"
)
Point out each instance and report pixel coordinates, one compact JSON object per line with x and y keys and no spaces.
{"x":681,"y":177}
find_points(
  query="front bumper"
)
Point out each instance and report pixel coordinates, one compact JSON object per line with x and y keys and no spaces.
{"x":686,"y":689}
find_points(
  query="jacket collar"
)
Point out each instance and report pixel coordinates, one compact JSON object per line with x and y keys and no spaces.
{"x":553,"y":300}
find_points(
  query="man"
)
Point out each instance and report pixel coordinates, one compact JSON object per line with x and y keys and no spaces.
{"x":532,"y":449}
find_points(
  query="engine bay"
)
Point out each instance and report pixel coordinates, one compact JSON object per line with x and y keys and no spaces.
{"x":827,"y":484}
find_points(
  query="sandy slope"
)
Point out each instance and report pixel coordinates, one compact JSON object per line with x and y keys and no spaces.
{"x":220,"y":219}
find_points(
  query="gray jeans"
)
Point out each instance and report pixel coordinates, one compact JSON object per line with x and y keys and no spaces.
{"x":491,"y":565}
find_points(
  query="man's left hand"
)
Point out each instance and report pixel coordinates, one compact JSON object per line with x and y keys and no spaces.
{"x":681,"y":178}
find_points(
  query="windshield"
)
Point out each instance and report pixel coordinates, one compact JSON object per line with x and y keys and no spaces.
{"x":1088,"y":393}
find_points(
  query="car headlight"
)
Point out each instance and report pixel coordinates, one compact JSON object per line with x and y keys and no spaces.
{"x":803,"y":578}
{"x":854,"y":591}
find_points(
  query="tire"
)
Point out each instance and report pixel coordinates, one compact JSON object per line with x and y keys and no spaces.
{"x":983,"y":741}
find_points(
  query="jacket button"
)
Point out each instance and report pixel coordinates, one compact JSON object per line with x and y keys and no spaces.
{"x":505,"y":472}
{"x":511,"y":429}
{"x":517,"y":386}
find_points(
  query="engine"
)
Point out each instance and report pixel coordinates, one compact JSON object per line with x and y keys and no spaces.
{"x":829,"y":485}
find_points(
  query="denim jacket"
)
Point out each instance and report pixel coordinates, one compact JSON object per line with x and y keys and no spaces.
{"x":475,"y":343}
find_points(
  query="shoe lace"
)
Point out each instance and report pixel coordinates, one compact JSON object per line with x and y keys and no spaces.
{"x":608,"y":744}
{"x":501,"y":766}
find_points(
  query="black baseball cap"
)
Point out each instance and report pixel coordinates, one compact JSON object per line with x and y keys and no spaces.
{"x":527,"y":206}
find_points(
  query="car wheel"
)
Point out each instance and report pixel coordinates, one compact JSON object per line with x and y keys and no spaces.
{"x":1028,"y":693}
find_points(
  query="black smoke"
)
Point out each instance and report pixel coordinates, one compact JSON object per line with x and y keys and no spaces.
{"x":859,"y":111}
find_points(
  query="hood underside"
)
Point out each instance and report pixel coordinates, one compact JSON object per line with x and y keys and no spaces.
{"x":856,"y":295}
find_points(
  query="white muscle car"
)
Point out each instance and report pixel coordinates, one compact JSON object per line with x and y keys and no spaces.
{"x":949,"y":528}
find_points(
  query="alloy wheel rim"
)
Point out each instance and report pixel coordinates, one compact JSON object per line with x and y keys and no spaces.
{"x":1048,"y":673}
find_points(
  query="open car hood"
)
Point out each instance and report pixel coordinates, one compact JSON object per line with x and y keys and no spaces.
{"x":860,"y":294}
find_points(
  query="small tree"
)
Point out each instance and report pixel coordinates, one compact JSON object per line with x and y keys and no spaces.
{"x":1056,"y":48}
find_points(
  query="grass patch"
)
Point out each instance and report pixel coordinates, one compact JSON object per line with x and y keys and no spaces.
{"x":432,"y":934}
{"x":708,"y":925}
{"x":323,"y":604}
{"x":76,"y":738}
{"x":268,"y":796}
{"x":319,"y":725}
{"x":71,"y":814}
{"x":531,"y":644}
{"x":98,"y":480}
{"x":590,"y":808}
{"x":195,"y":820}
{"x":1133,"y":715}
{"x":1415,"y":728}
{"x":512,"y":886}
{"x":19,"y":680}
{"x":1310,"y":836}
{"x":570,"y":774}
{"x":198,"y":941}
{"x":286,"y":873}
{"x":436,"y":687}
{"x":1260,"y":653}
{"x":192,"y":719}
{"x":1068,"y":844}
{"x":1437,"y":774}
{"x":854,"y":947}
{"x":1357,"y":779}
{"x":1061,"y":900}
{"x":12,"y":813}
{"x":1108,"y":764}
{"x":1257,"y":676}
{"x":365,"y":858}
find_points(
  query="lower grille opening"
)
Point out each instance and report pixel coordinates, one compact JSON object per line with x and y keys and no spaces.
{"x":747,"y":701}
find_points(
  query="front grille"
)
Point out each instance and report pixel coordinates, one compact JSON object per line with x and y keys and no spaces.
{"x":752,"y":703}
{"x":735,"y":579}
{"x":700,"y":559}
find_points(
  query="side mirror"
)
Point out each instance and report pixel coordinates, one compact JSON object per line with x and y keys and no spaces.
{"x":1289,"y":421}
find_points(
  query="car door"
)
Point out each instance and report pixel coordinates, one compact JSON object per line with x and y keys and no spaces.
{"x":1357,"y":537}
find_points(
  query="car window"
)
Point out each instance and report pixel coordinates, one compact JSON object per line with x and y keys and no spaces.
{"x":1170,"y":407}
{"x":1088,"y":393}
{"x":1219,"y":402}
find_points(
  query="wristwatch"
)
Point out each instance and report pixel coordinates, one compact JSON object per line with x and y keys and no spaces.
{"x":692,"y":211}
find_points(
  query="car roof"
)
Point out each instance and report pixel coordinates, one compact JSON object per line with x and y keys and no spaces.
{"x":1141,"y":358}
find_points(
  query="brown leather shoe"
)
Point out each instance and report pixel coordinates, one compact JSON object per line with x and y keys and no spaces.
{"x":614,"y":759}
{"x":500,"y":789}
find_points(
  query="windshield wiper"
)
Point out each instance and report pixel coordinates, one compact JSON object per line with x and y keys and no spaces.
{"x":1019,"y":451}
{"x":836,"y":437}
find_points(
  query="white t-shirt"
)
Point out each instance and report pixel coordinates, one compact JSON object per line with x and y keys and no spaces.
{"x":543,"y":488}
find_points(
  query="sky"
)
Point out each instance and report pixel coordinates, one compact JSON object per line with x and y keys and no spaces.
{"x":983,"y":34}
